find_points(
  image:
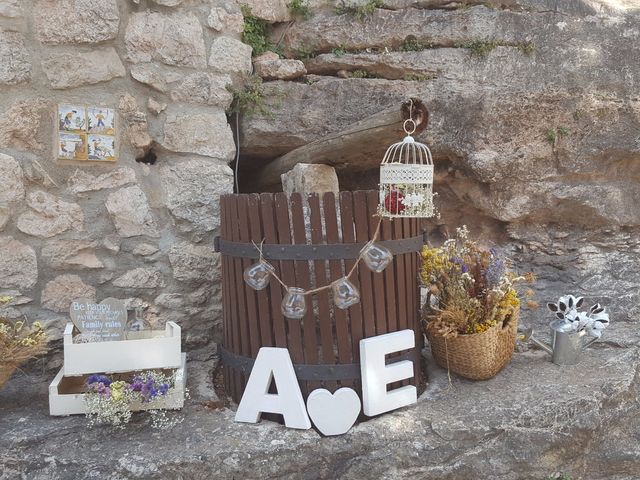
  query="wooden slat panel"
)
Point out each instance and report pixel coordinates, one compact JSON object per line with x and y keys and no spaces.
{"x":378,"y":278}
{"x":255,"y":227}
{"x":288,"y":276}
{"x":322,"y":298}
{"x":236,"y":379}
{"x":275,"y":290}
{"x":251,"y":320}
{"x":303,"y":280}
{"x":400,"y":279}
{"x":364,"y":274}
{"x":414,"y":312}
{"x":390,"y":284}
{"x":349,"y":236}
{"x":226,"y":303}
{"x":336,"y":269}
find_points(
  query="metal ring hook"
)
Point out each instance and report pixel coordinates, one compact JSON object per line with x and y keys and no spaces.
{"x":406,"y":130}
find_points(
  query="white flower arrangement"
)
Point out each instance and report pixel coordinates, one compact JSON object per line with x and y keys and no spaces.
{"x":593,"y":322}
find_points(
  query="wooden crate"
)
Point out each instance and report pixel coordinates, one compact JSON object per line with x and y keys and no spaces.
{"x":66,"y":395}
{"x":162,"y":350}
{"x":324,"y":345}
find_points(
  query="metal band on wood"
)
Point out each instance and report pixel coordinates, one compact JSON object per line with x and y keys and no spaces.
{"x":306,"y":372}
{"x":336,"y":251}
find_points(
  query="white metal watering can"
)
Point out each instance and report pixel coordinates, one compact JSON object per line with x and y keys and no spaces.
{"x":566,"y":344}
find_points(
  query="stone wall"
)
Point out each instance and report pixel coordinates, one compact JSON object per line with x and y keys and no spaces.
{"x":131,"y":230}
{"x":535,"y":123}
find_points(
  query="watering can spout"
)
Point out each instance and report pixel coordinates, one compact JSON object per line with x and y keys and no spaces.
{"x":528,"y":336}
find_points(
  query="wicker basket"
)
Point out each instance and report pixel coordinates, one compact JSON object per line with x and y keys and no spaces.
{"x":6,"y":370}
{"x":478,"y":356}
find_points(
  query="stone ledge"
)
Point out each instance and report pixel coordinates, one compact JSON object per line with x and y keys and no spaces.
{"x":531,"y":421}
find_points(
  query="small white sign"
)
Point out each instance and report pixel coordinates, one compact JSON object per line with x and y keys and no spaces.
{"x":106,"y":319}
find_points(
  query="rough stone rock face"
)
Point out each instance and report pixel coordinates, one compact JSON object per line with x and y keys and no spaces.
{"x":229,"y":55}
{"x":168,"y":3}
{"x":140,"y":278}
{"x":130,"y":212}
{"x":194,"y":263}
{"x":12,"y":185}
{"x":136,"y":120}
{"x":49,"y":216}
{"x":308,"y":178}
{"x":20,"y":123}
{"x":18,"y":264}
{"x":277,"y":69}
{"x":270,"y":10}
{"x":4,"y":217}
{"x":64,"y":254}
{"x":15,"y":65}
{"x":76,"y":21}
{"x":10,"y":8}
{"x":154,"y":75}
{"x":203,"y":132}
{"x":69,"y":70}
{"x":82,"y":181}
{"x":226,"y":17}
{"x":173,"y":39}
{"x":58,"y":294}
{"x":204,"y":88}
{"x":193,"y":188}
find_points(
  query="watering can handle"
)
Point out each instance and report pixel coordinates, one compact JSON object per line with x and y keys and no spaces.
{"x":591,"y":342}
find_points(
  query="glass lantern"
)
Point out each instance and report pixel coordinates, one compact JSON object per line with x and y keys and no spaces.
{"x":376,"y":256}
{"x":257,"y":275}
{"x":294,"y":304}
{"x":345,"y":293}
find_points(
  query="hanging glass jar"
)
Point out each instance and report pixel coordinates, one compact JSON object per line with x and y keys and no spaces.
{"x":294,"y":304}
{"x":345,"y":293}
{"x":376,"y":256}
{"x":257,"y":275}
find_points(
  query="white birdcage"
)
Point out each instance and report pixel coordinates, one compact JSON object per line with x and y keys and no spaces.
{"x":406,"y":178}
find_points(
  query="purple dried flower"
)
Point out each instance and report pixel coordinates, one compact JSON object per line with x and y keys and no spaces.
{"x":495,"y":271}
{"x":99,"y":379}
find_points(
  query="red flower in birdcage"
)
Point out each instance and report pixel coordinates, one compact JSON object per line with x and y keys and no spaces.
{"x":393,"y":202}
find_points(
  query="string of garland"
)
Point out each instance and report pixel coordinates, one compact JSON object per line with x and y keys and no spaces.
{"x":345,"y":293}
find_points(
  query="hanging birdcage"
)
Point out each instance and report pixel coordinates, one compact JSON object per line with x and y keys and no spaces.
{"x":406,"y":178}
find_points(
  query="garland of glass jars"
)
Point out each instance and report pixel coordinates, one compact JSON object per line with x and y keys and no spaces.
{"x":345,"y":294}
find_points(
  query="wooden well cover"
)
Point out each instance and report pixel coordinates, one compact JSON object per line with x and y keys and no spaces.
{"x":324,"y":345}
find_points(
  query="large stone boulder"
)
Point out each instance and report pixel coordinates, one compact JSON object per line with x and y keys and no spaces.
{"x":130,"y":212}
{"x":69,"y":70}
{"x":201,"y":131}
{"x":12,"y":185}
{"x":76,"y":21}
{"x":18,"y":264}
{"x":50,"y":216}
{"x":21,"y":122}
{"x":58,"y":294}
{"x":192,"y":190}
{"x":173,"y":39}
{"x":15,"y":64}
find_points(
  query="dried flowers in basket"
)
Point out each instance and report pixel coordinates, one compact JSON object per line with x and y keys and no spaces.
{"x":18,"y":343}
{"x":471,"y":313}
{"x":110,"y":400}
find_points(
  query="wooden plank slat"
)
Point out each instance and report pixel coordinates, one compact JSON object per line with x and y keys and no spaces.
{"x":275,"y":290}
{"x":255,"y":227}
{"x":251,"y":321}
{"x":234,"y":347}
{"x":390,"y":285}
{"x":226,"y":303}
{"x":365,"y":275}
{"x":415,"y":308}
{"x":288,"y":276}
{"x":378,"y":278}
{"x":400,"y":279}
{"x":322,"y":298}
{"x":336,"y":270}
{"x":303,"y":280}
{"x":349,"y":236}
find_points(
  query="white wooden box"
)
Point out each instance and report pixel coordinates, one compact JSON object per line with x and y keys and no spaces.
{"x":65,"y":397}
{"x":162,"y":350}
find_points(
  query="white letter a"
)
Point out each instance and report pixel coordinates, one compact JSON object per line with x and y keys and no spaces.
{"x":273,"y":364}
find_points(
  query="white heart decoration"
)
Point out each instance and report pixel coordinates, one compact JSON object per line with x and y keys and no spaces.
{"x":333,"y":414}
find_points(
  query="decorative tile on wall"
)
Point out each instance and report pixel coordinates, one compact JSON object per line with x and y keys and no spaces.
{"x":86,"y":133}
